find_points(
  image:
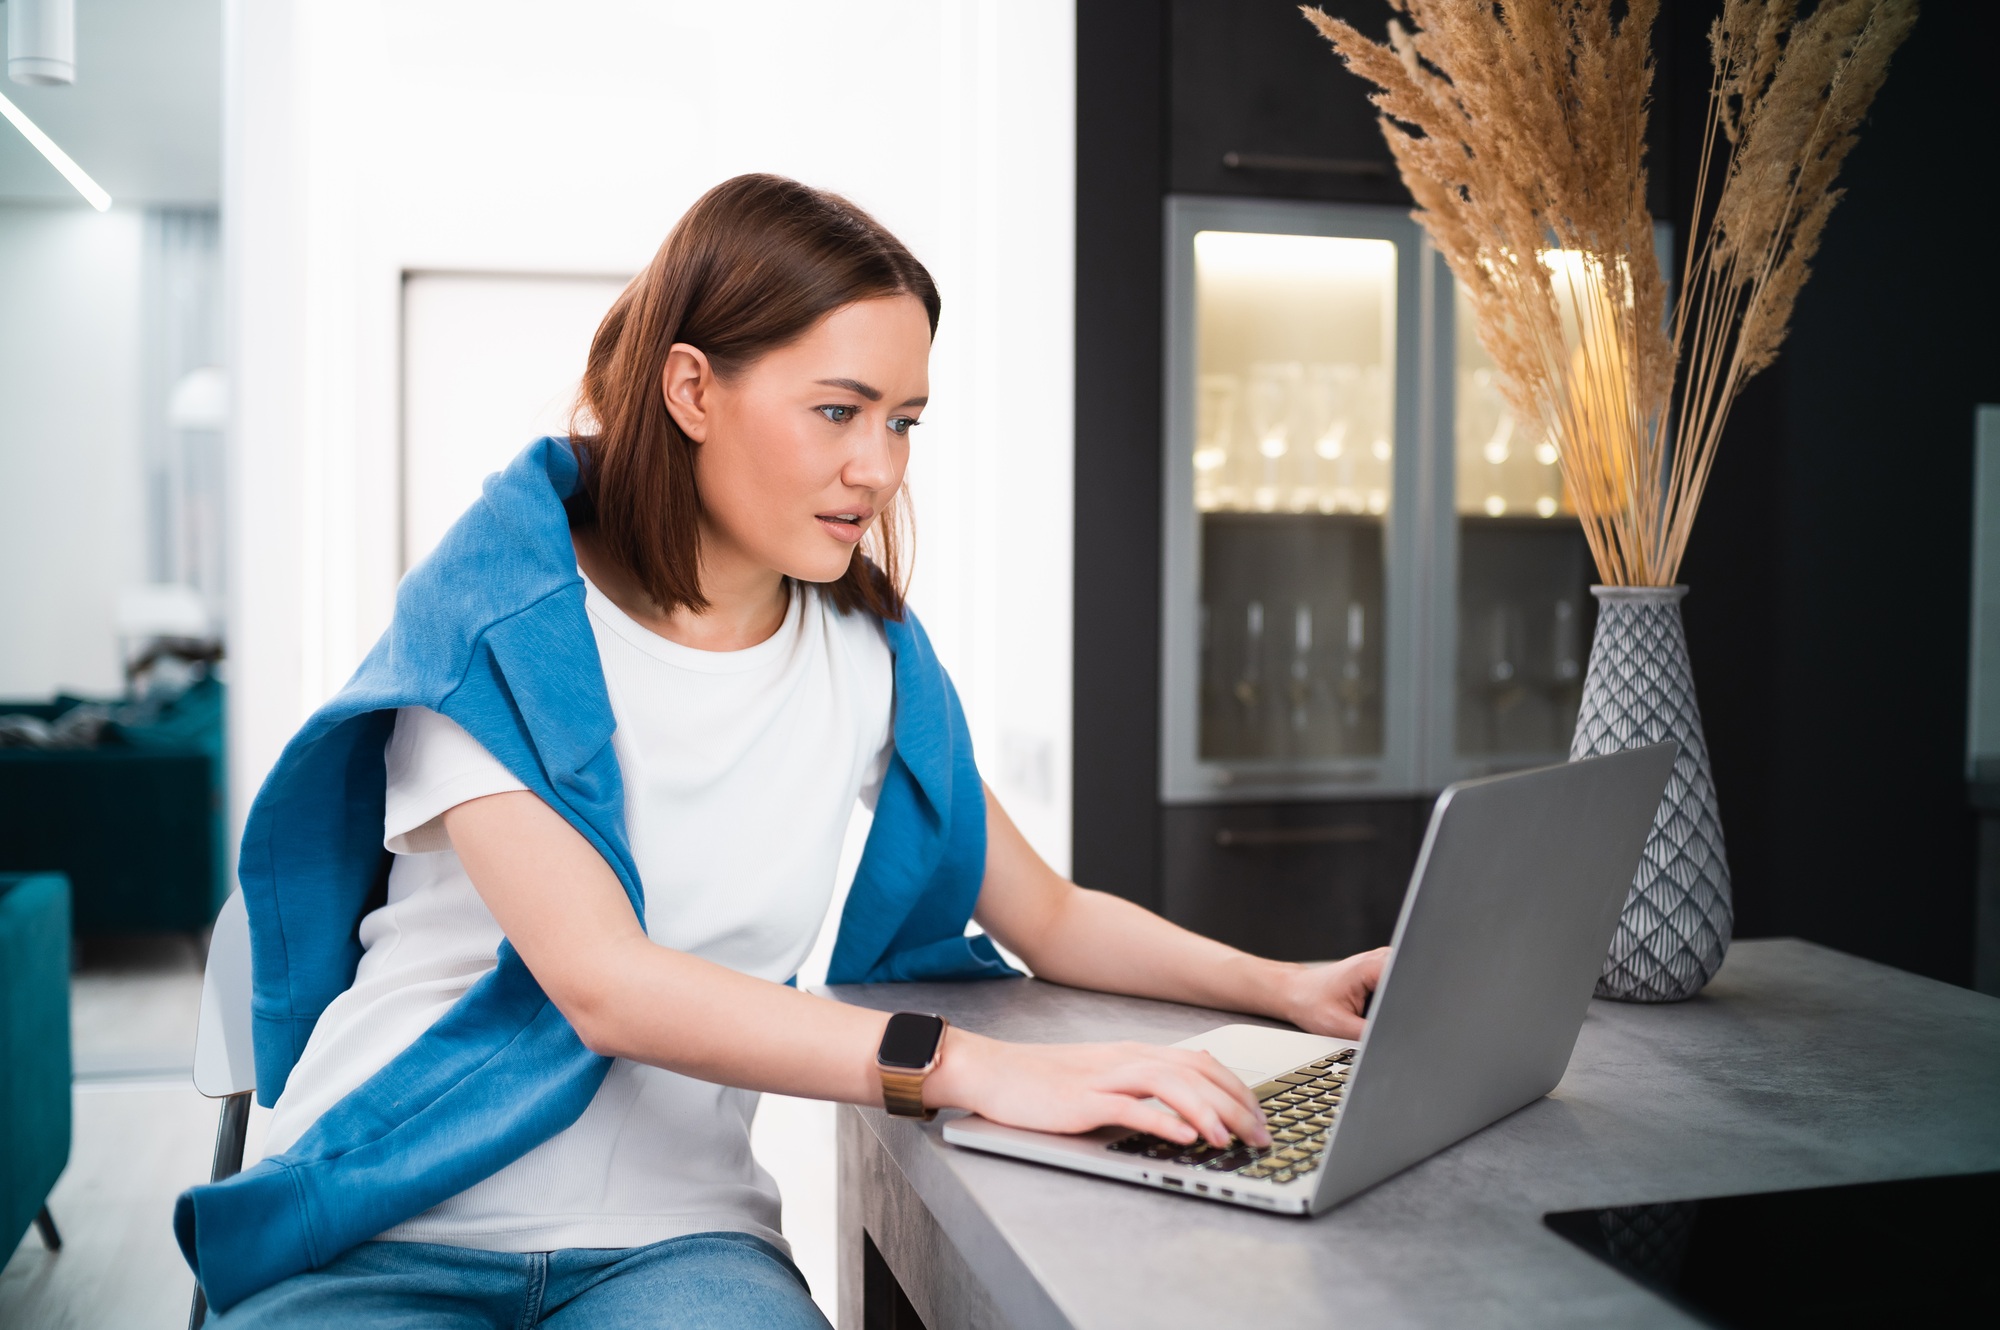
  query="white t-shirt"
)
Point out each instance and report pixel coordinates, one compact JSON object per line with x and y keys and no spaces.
{"x":741,"y":771}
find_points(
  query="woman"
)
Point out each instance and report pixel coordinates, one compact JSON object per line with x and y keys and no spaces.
{"x":611,"y":743}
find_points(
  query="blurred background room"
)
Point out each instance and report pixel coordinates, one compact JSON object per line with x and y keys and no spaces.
{"x":1234,"y":550}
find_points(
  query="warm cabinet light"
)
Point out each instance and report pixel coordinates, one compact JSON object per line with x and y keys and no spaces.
{"x":59,"y":159}
{"x":1291,"y":258}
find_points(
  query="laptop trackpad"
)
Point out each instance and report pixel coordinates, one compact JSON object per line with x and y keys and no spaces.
{"x":1256,"y":1053}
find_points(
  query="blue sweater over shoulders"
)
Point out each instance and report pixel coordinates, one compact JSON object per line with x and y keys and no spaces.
{"x":490,"y":630}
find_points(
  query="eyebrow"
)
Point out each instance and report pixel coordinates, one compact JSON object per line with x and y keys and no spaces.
{"x":872,"y":394}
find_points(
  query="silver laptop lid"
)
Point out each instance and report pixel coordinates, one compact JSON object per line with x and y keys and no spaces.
{"x":1503,"y":933}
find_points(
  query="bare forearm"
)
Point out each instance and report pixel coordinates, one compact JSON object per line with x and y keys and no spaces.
{"x":1093,"y":940}
{"x":669,"y":1009}
{"x":672,"y":1010}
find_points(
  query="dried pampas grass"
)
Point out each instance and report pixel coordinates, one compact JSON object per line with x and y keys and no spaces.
{"x":1520,"y":131}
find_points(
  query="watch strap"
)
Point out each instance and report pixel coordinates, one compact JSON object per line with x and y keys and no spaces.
{"x":903,"y":1092}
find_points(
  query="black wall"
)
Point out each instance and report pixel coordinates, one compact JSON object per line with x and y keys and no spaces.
{"x":1120,"y":182}
{"x":1830,"y":565}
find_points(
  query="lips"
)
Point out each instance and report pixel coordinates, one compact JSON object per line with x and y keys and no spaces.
{"x":849,"y":526}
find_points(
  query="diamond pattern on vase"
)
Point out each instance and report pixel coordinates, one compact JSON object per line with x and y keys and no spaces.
{"x":1640,"y":690}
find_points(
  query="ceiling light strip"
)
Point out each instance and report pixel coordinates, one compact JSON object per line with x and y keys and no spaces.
{"x":90,"y":189}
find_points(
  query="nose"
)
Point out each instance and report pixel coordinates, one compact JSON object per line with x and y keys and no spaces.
{"x":877,"y":461}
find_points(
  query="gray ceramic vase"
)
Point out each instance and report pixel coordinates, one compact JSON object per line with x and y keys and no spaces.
{"x":1640,"y":690}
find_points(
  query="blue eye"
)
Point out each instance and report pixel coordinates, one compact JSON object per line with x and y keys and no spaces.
{"x":839,"y":415}
{"x":902,"y":424}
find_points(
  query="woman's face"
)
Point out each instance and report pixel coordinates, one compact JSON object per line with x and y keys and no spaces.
{"x":797,"y":455}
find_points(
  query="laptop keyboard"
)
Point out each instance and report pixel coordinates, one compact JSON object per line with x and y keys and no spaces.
{"x":1300,"y":1107}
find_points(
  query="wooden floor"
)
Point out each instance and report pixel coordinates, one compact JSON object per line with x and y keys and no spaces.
{"x":135,"y":1147}
{"x":142,"y":1135}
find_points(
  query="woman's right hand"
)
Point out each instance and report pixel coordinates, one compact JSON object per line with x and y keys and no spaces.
{"x":1080,"y":1087}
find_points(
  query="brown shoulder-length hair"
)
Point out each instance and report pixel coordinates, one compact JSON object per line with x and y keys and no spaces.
{"x":754,"y":264}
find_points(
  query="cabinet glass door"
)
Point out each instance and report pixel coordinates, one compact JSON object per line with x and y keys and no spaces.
{"x":1525,"y":612}
{"x":1284,"y":491}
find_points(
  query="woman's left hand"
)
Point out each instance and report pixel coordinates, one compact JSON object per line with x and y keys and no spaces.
{"x":1329,"y":999}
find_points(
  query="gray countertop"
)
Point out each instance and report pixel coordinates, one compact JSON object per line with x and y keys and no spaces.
{"x":1798,"y":1066}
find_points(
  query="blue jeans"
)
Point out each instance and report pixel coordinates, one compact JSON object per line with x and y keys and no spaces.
{"x":705,"y":1281}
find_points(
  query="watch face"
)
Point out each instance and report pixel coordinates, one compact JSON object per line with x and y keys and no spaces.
{"x":911,"y":1040}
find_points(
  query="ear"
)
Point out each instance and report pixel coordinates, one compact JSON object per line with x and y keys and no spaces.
{"x":686,"y":381}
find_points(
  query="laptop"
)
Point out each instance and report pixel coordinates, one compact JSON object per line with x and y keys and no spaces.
{"x":1504,"y":930}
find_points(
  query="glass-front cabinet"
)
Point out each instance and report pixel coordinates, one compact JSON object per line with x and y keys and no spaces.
{"x":1523,"y":613}
{"x":1373,"y":581}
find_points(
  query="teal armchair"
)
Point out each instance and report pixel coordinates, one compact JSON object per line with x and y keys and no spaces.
{"x":34,"y":1050}
{"x":134,"y":821}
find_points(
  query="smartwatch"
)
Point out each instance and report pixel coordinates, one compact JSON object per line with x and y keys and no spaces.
{"x":911,"y":1047}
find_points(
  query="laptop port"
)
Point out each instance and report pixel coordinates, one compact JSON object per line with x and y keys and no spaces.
{"x":1173,"y":1182}
{"x":1201,"y":1187}
{"x":1227,"y":1194}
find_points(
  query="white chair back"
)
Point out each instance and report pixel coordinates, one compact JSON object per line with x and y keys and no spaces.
{"x":224,"y":1063}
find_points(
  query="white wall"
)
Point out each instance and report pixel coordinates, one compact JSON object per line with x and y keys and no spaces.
{"x":71,"y":470}
{"x":488,"y":360}
{"x":366,"y":138}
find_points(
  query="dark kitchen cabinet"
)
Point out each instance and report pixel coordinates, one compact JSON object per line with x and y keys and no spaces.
{"x":1260,"y":106}
{"x":1294,"y":881}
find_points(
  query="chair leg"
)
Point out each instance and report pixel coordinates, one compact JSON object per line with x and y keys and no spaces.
{"x":231,"y":1125}
{"x":46,"y":1224}
{"x":230,"y":1128}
